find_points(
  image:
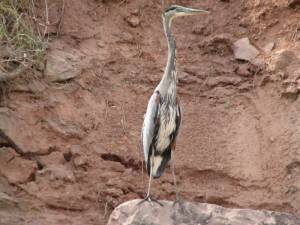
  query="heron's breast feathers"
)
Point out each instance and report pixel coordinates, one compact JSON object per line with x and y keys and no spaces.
{"x":167,"y":126}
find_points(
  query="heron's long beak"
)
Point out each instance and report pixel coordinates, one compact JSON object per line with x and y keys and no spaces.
{"x":189,"y":11}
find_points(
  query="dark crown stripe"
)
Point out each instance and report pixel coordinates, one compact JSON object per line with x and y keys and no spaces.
{"x":172,"y":7}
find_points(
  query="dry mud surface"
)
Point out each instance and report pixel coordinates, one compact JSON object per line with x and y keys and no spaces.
{"x":240,"y":137}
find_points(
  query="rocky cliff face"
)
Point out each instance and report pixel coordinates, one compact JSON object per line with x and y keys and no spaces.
{"x":130,"y":213}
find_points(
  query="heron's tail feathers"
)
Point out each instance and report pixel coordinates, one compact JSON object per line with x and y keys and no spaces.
{"x":160,"y":162}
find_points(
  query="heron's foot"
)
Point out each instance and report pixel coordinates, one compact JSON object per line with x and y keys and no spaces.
{"x":178,"y":201}
{"x":182,"y":207}
{"x":150,"y":200}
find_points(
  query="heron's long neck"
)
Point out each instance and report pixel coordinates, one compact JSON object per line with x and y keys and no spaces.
{"x":169,"y":79}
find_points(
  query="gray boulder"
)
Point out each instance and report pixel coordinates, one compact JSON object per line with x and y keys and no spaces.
{"x":129,"y":213}
{"x":62,"y":66}
{"x":244,"y":50}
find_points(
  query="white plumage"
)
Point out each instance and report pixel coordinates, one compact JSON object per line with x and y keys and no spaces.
{"x":167,"y":127}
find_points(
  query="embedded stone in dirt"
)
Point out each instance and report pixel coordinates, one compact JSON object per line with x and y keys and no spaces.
{"x":58,"y":172}
{"x":269,"y":47}
{"x":66,"y":202}
{"x":62,"y":66}
{"x":7,"y":202}
{"x":298,"y":84}
{"x":282,"y":59}
{"x":294,"y":3}
{"x":17,"y":170}
{"x":203,"y":29}
{"x":293,"y":72}
{"x":34,"y":86}
{"x":243,"y":50}
{"x":243,"y":70}
{"x":186,"y":78}
{"x":214,"y":81}
{"x":6,"y":51}
{"x":219,"y":44}
{"x":258,"y":62}
{"x":10,"y":213}
{"x":194,"y":213}
{"x":290,"y":91}
{"x":80,"y":161}
{"x":66,"y":129}
{"x":77,"y":156}
{"x":133,"y":21}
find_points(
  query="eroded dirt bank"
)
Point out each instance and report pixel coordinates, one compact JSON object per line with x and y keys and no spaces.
{"x":240,"y":137}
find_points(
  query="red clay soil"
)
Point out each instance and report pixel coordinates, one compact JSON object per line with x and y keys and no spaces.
{"x":239,"y":143}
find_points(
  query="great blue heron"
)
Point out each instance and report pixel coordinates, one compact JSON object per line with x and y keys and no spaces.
{"x":163,"y":117}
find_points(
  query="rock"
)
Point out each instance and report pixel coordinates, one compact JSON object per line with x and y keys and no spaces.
{"x":218,"y":44}
{"x":114,"y":192}
{"x":269,"y":47}
{"x":34,"y":86}
{"x":55,"y":158}
{"x":244,"y":70}
{"x":247,"y":86}
{"x":62,"y":66}
{"x":290,"y":91}
{"x":133,"y":20}
{"x":125,"y":38}
{"x":6,"y":51}
{"x":202,"y":29}
{"x":17,"y":170}
{"x":186,"y":78}
{"x":10,"y":211}
{"x":294,"y":72}
{"x":11,"y":218}
{"x":294,"y":3}
{"x":76,"y":150}
{"x":68,"y":200}
{"x":77,"y":156}
{"x":298,"y":84}
{"x":258,"y":62}
{"x":58,"y":172}
{"x":214,"y":81}
{"x":243,"y":50}
{"x":66,"y":129}
{"x":80,"y":161}
{"x":135,"y":11}
{"x":130,"y":213}
{"x":7,"y":202}
{"x":193,"y":70}
{"x":264,"y":80}
{"x":282,"y":59}
{"x":291,"y":88}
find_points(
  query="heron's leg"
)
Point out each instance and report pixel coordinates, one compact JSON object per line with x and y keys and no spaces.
{"x":178,"y":200}
{"x":148,"y":198}
{"x":149,"y":185}
{"x":174,"y":179}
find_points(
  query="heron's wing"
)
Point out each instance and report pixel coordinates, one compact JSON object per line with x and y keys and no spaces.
{"x":151,"y":123}
{"x":178,"y":117}
{"x":177,"y":125}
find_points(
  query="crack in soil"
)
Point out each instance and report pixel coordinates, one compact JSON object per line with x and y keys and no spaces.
{"x":130,"y":163}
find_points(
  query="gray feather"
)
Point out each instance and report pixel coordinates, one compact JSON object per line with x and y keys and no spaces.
{"x":149,"y":124}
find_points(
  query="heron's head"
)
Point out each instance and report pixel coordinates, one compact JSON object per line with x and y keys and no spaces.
{"x":174,"y":11}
